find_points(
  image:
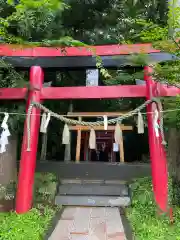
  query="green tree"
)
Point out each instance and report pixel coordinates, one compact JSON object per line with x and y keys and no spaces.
{"x":169,"y":73}
{"x":53,"y":23}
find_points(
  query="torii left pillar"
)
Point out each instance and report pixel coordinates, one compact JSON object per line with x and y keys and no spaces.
{"x":24,"y":195}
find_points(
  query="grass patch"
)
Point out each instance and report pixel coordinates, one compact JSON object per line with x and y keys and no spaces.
{"x":142,"y":215}
{"x":34,"y":224}
{"x":31,"y":225}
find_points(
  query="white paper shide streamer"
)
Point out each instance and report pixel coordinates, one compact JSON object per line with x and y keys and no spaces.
{"x":92,"y":139}
{"x":45,"y":122}
{"x":140,"y":123}
{"x":117,"y":134}
{"x":5,"y":134}
{"x":105,"y":122}
{"x":66,"y":135}
{"x":155,"y":122}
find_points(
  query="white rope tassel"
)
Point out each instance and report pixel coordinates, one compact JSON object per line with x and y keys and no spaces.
{"x":140,"y":123}
{"x":105,"y":122}
{"x":117,"y":134}
{"x":92,"y":139}
{"x":66,"y":135}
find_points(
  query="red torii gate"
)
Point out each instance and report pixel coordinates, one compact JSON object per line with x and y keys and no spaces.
{"x":24,"y":194}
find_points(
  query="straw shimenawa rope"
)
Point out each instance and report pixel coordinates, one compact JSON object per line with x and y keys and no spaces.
{"x":91,"y":124}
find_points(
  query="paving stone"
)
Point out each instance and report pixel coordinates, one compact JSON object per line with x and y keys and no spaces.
{"x":89,"y":223}
{"x":69,"y":213}
{"x":113,"y":227}
{"x":97,"y":229}
{"x":113,"y":222}
{"x":79,"y":237}
{"x":119,"y":236}
{"x":62,"y":230}
{"x":98,"y":212}
{"x":81,"y":220}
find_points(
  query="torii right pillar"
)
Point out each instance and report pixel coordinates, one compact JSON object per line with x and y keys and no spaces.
{"x":157,"y":151}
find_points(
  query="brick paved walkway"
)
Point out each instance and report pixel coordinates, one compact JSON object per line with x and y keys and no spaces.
{"x":89,"y":223}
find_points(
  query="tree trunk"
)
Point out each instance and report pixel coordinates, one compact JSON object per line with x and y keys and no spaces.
{"x":173,"y":138}
{"x":8,"y":175}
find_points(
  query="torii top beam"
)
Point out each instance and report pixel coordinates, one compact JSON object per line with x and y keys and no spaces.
{"x":113,"y":56}
{"x":107,"y":50}
{"x":81,"y":57}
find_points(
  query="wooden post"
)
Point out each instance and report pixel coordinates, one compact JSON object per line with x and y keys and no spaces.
{"x":78,"y":145}
{"x":121,"y":149}
{"x":113,"y":159}
{"x":99,"y":128}
{"x":67,"y":151}
{"x":85,"y":145}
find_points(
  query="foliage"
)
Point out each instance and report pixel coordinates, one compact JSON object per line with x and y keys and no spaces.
{"x":93,"y":22}
{"x":173,"y":17}
{"x":45,"y":187}
{"x":155,"y":32}
{"x":32,"y":23}
{"x":158,"y":36}
{"x":7,"y":192}
{"x":143,"y":216}
{"x":147,"y":31}
{"x":17,"y":227}
{"x":31,"y":225}
{"x":118,"y":22}
{"x":29,"y":20}
{"x":169,"y":71}
{"x":11,"y":78}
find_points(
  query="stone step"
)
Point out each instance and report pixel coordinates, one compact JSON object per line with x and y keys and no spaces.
{"x":100,"y":201}
{"x":94,"y":189}
{"x":91,"y":181}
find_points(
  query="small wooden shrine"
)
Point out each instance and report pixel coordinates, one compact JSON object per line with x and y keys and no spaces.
{"x":104,"y":138}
